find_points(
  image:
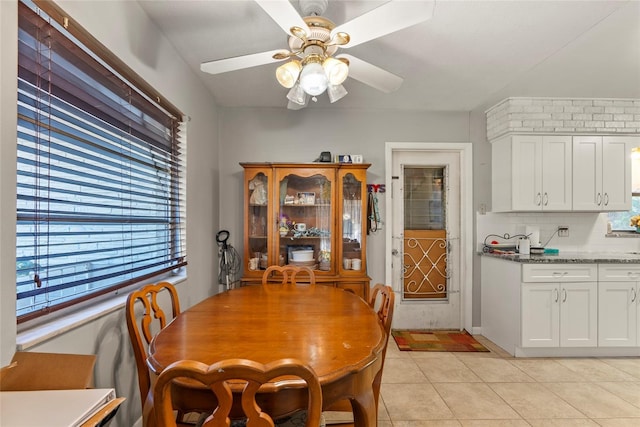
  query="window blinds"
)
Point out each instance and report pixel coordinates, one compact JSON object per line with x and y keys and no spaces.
{"x":100,"y":196}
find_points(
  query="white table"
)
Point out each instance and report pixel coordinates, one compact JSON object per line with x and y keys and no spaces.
{"x":52,"y":408}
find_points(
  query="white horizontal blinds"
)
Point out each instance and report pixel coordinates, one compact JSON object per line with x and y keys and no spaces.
{"x":99,"y":176}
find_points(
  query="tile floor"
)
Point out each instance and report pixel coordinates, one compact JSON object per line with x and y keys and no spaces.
{"x":424,"y":389}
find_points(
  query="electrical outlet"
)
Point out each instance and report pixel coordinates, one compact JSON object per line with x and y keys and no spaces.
{"x":563,"y":231}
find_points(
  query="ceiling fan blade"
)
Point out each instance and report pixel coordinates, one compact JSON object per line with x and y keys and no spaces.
{"x":371,"y":75}
{"x":388,"y":18}
{"x":239,"y":62}
{"x":285,"y":15}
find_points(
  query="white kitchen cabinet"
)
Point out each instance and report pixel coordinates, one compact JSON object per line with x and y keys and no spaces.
{"x":562,"y":313}
{"x":564,"y":309}
{"x":602,"y":173}
{"x":618,"y":292}
{"x":531,"y":173}
{"x":540,"y":315}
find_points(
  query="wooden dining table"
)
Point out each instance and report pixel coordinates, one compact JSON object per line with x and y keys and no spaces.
{"x":335,"y":332}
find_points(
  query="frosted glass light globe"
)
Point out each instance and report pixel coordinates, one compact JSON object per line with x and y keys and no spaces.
{"x":313,"y":79}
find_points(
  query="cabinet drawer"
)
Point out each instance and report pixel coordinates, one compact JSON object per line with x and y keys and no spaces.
{"x":619,"y":273}
{"x":559,"y":273}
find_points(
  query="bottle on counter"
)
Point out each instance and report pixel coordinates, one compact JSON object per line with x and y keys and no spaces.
{"x":524,"y":245}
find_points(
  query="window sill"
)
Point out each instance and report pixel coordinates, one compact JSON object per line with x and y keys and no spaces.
{"x":35,"y":335}
{"x":625,"y":234}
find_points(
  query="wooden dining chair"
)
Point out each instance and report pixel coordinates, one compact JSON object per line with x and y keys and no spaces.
{"x":382,"y":300}
{"x":216,"y":378}
{"x":289,"y":275}
{"x":144,"y":323}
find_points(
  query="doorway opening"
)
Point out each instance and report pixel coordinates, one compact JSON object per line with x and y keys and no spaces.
{"x":429,"y":238}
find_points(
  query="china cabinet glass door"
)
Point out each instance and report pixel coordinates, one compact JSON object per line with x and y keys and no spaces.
{"x":305,"y":218}
{"x":353,"y":221}
{"x":257,"y":226}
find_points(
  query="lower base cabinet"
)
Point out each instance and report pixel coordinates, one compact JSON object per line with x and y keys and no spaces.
{"x":561,"y":314}
{"x":555,"y":315}
{"x":618,"y":292}
{"x":574,"y":310}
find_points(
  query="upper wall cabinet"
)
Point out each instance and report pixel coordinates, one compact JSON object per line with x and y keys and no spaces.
{"x":531,"y":173}
{"x":602,"y":173}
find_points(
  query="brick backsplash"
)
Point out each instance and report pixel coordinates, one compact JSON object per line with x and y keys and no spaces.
{"x":564,"y":115}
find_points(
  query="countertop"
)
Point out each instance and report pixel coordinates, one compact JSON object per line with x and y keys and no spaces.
{"x":571,"y":258}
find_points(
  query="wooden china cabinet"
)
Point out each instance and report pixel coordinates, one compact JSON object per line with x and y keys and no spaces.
{"x":309,"y":214}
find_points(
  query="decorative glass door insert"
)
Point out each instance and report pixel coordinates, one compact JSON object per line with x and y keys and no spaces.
{"x":425,"y":236}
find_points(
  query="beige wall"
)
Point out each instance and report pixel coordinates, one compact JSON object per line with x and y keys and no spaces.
{"x":255,"y":135}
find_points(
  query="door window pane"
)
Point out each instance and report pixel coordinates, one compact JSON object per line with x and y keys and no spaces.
{"x":424,"y":199}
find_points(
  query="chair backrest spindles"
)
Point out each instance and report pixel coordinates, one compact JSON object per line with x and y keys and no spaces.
{"x":383,"y":304}
{"x":289,"y":275}
{"x":142,"y":328}
{"x":218,"y":376}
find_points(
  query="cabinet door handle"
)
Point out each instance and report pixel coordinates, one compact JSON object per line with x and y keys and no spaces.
{"x":555,"y":292}
{"x":598,"y":199}
{"x":546,"y":199}
{"x":564,"y":295}
{"x":633,"y":298}
{"x":606,"y":199}
{"x":538,"y":199}
{"x":632,"y":274}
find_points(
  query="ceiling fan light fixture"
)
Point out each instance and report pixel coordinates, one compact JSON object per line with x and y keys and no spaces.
{"x":287,"y":74}
{"x":336,"y":92}
{"x":336,"y":70}
{"x":297,"y":95}
{"x":313,"y":79}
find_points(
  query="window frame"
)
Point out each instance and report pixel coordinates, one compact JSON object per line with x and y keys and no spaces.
{"x":635,"y":200}
{"x":119,"y":68}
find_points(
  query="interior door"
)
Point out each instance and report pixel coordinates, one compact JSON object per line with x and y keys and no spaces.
{"x":426,"y":239}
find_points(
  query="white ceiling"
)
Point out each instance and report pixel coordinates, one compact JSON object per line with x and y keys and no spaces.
{"x":468,"y":55}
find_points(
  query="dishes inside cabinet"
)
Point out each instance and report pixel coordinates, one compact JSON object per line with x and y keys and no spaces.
{"x":300,"y":253}
{"x":305,"y":255}
{"x":307,"y":198}
{"x":311,"y":264}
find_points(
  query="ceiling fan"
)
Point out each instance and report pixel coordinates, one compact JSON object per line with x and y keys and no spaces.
{"x":312,"y":64}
